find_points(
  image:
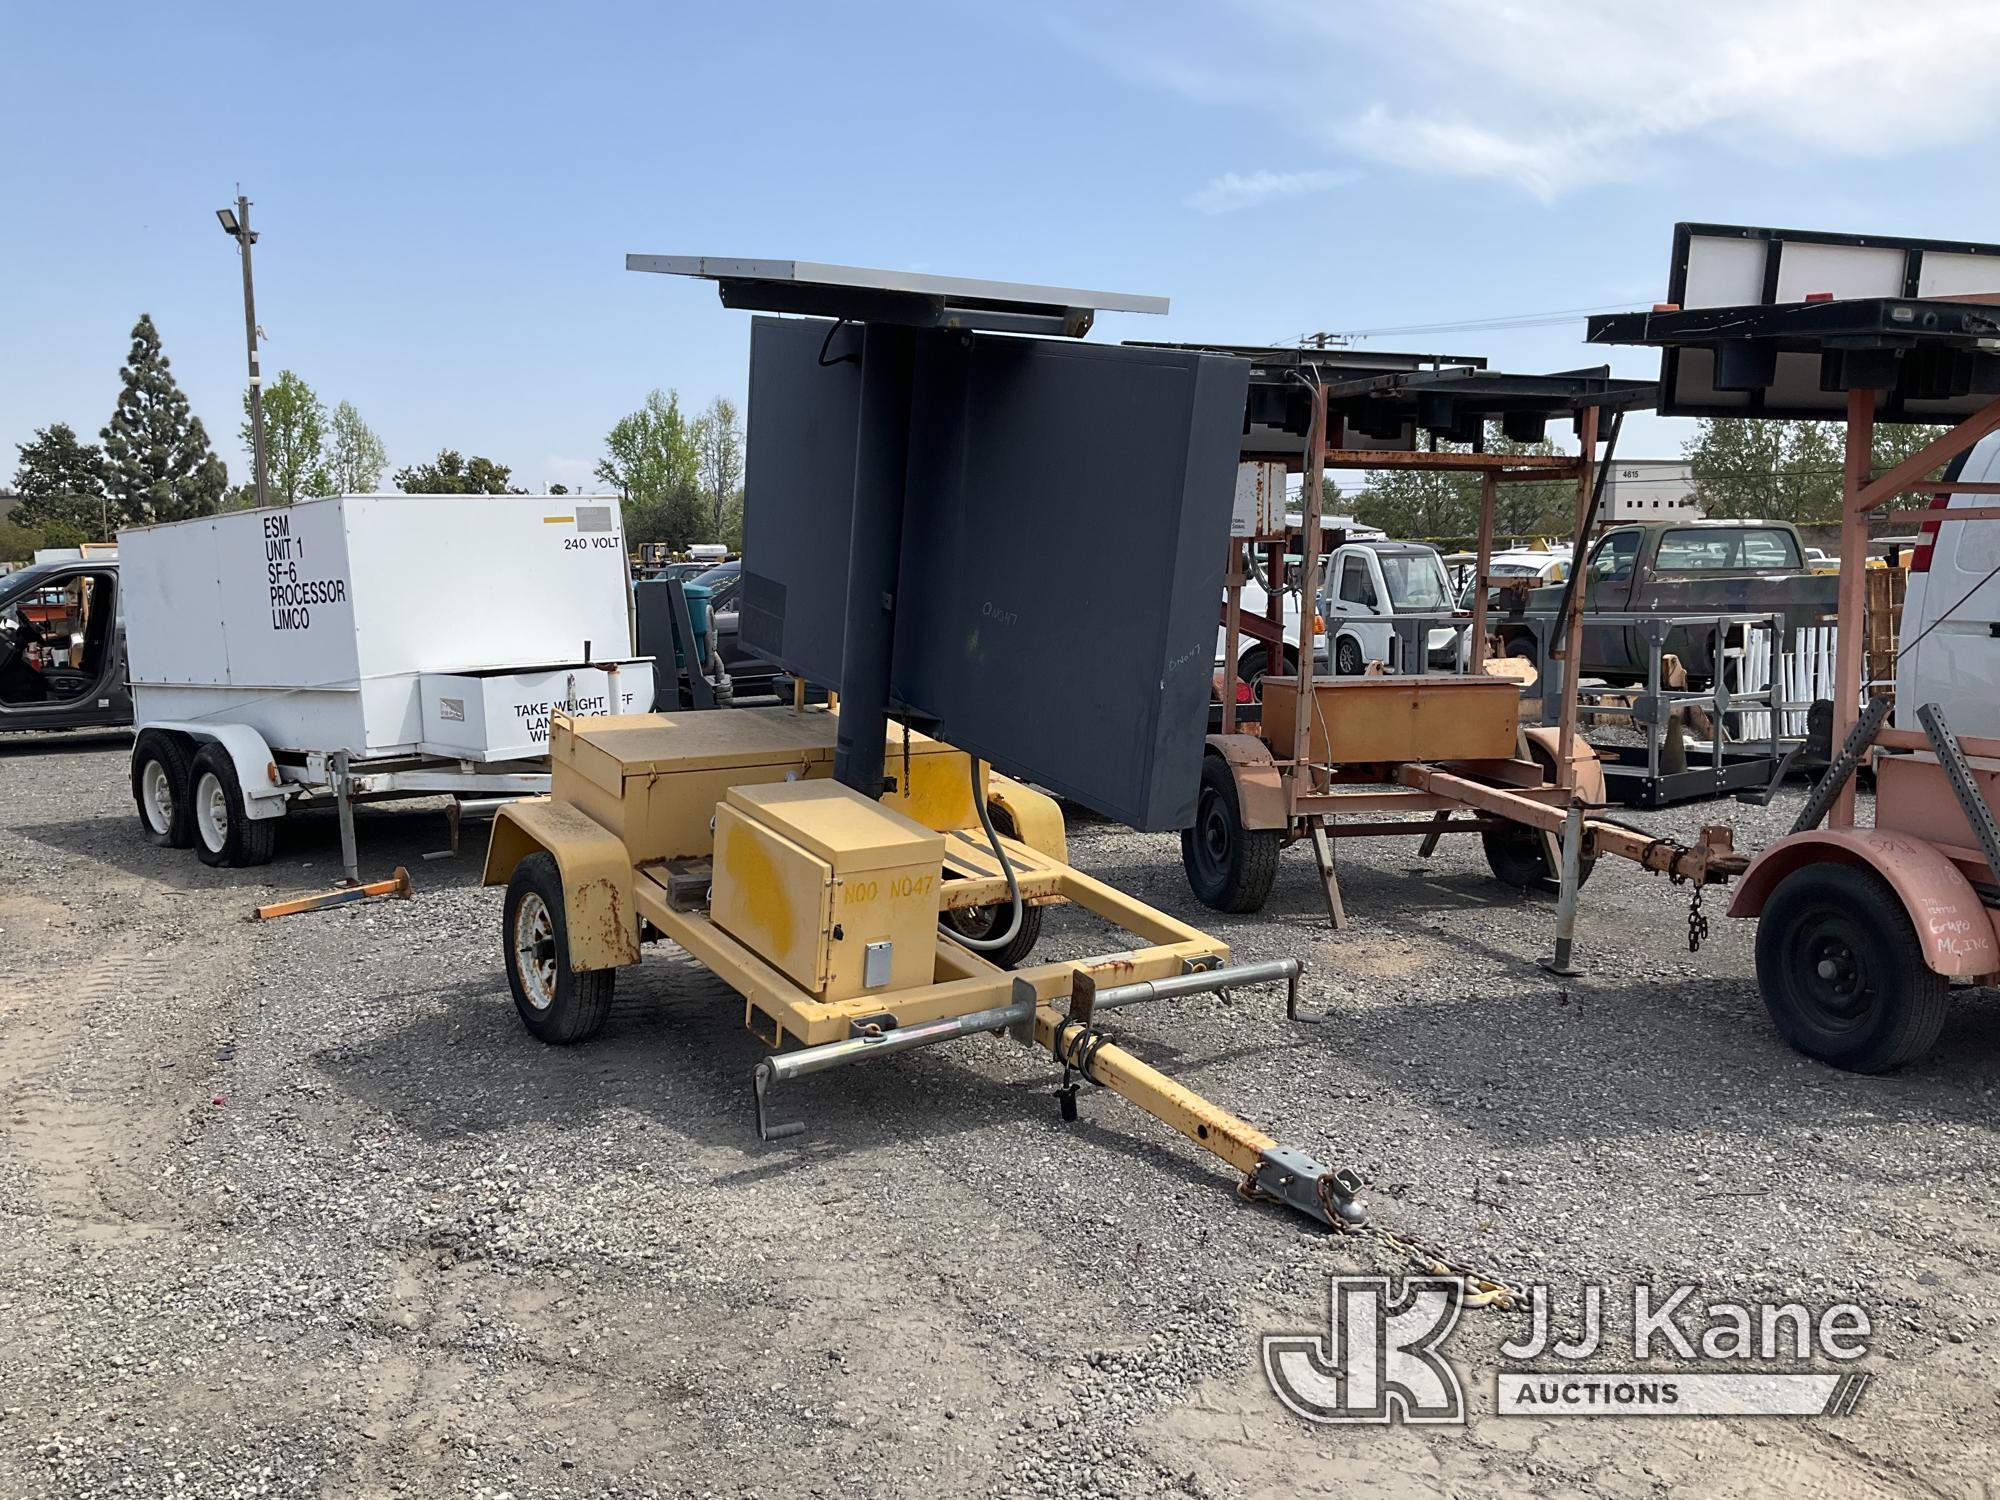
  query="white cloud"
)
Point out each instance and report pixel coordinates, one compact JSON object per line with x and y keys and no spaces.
{"x":1552,"y":96}
{"x":1232,"y":191}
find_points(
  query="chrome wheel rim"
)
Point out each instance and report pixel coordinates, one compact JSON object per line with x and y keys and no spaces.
{"x":211,"y":811}
{"x":535,"y":950}
{"x":157,"y":797}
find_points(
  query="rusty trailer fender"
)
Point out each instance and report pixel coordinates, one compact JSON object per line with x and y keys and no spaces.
{"x":598,"y":911}
{"x":1260,"y":786}
{"x":1959,"y":935}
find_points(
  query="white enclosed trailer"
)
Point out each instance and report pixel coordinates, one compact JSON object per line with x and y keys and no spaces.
{"x":364,"y":646}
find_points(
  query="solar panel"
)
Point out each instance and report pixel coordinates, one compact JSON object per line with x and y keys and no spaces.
{"x":1772,"y":363}
{"x":865,"y":294}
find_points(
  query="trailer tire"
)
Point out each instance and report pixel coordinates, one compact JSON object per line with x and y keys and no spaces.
{"x":558,"y":1004}
{"x":162,"y":786}
{"x":1515,"y":857}
{"x":224,"y":835}
{"x":983,"y":922}
{"x":1252,"y":668}
{"x":1229,"y":867}
{"x":1842,"y":972}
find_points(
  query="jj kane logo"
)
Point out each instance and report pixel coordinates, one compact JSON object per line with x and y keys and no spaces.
{"x":1380,"y":1359}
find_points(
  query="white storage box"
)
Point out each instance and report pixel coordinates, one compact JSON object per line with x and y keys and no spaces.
{"x":315,"y":623}
{"x":502,"y":715}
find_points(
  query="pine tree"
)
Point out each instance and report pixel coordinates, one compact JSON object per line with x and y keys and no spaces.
{"x":157,"y":461}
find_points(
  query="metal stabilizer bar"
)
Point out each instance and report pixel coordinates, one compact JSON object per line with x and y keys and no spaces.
{"x":783,"y":1067}
{"x":1971,"y":801}
{"x":1195,"y":982}
{"x":1270,"y":1171}
{"x":1845,"y":762}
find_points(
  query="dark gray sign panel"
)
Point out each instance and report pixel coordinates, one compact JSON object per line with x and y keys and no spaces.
{"x":1065,"y":531}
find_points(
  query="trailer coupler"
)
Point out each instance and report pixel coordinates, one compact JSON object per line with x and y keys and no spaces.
{"x":1287,"y":1175}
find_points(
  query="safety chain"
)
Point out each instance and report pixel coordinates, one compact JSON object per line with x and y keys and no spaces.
{"x":1697,"y":919}
{"x":1481,"y":1290}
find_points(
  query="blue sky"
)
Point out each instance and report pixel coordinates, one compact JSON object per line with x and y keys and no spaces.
{"x":446,"y":192}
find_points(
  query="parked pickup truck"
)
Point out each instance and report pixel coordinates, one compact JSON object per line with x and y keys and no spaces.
{"x":62,"y":646}
{"x":1679,"y":568}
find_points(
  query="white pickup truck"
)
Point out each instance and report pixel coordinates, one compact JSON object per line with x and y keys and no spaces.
{"x":1365,"y":583}
{"x":1361,"y":585}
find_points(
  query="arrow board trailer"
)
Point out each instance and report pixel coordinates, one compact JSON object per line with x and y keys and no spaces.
{"x":364,"y":646}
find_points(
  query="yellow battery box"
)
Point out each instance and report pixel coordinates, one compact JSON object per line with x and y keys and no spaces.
{"x":838,"y":892}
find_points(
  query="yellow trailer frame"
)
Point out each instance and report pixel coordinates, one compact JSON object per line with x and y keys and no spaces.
{"x":626,"y":862}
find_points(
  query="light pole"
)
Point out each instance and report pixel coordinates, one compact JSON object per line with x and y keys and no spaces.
{"x":236,"y":224}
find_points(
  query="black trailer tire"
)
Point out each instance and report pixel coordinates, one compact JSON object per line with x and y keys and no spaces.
{"x":224,"y":835}
{"x":1842,"y":972}
{"x":982,"y":922}
{"x":1229,"y":867}
{"x":1515,"y":856}
{"x":558,"y":1004}
{"x":1251,"y":669}
{"x":162,"y":784}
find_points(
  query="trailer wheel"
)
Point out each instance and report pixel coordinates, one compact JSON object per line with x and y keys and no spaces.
{"x":1255,"y":667}
{"x":982,"y":922}
{"x":1842,"y":973}
{"x":558,"y":1004}
{"x":162,"y":784}
{"x":223,"y":833}
{"x":1229,"y":867}
{"x":1515,"y":856}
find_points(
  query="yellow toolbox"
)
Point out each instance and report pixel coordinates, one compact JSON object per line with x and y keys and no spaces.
{"x":837,"y":891}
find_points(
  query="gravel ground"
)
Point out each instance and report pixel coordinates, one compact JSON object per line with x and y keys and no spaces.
{"x":298,"y":1208}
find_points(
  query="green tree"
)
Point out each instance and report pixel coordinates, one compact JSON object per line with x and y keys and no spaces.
{"x":1329,"y":495}
{"x":158,"y":465}
{"x":17,"y":543}
{"x":61,"y":479}
{"x":1443,"y":504}
{"x":653,"y":459}
{"x":294,"y":437}
{"x":1785,"y":471}
{"x":719,"y":443}
{"x":355,"y":457}
{"x":59,"y":533}
{"x":450,"y":474}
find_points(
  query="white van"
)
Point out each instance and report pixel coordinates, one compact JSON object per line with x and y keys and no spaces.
{"x":1949,"y":640}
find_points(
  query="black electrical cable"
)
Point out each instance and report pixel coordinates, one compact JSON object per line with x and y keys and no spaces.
{"x":991,"y":944}
{"x":1582,"y":543}
{"x":827,"y":343}
{"x":1937,"y":620}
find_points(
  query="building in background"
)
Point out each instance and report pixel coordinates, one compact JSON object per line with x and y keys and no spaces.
{"x":1650,"y":489}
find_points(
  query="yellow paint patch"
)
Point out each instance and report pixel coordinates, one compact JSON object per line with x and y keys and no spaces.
{"x":558,"y":520}
{"x":744,"y":861}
